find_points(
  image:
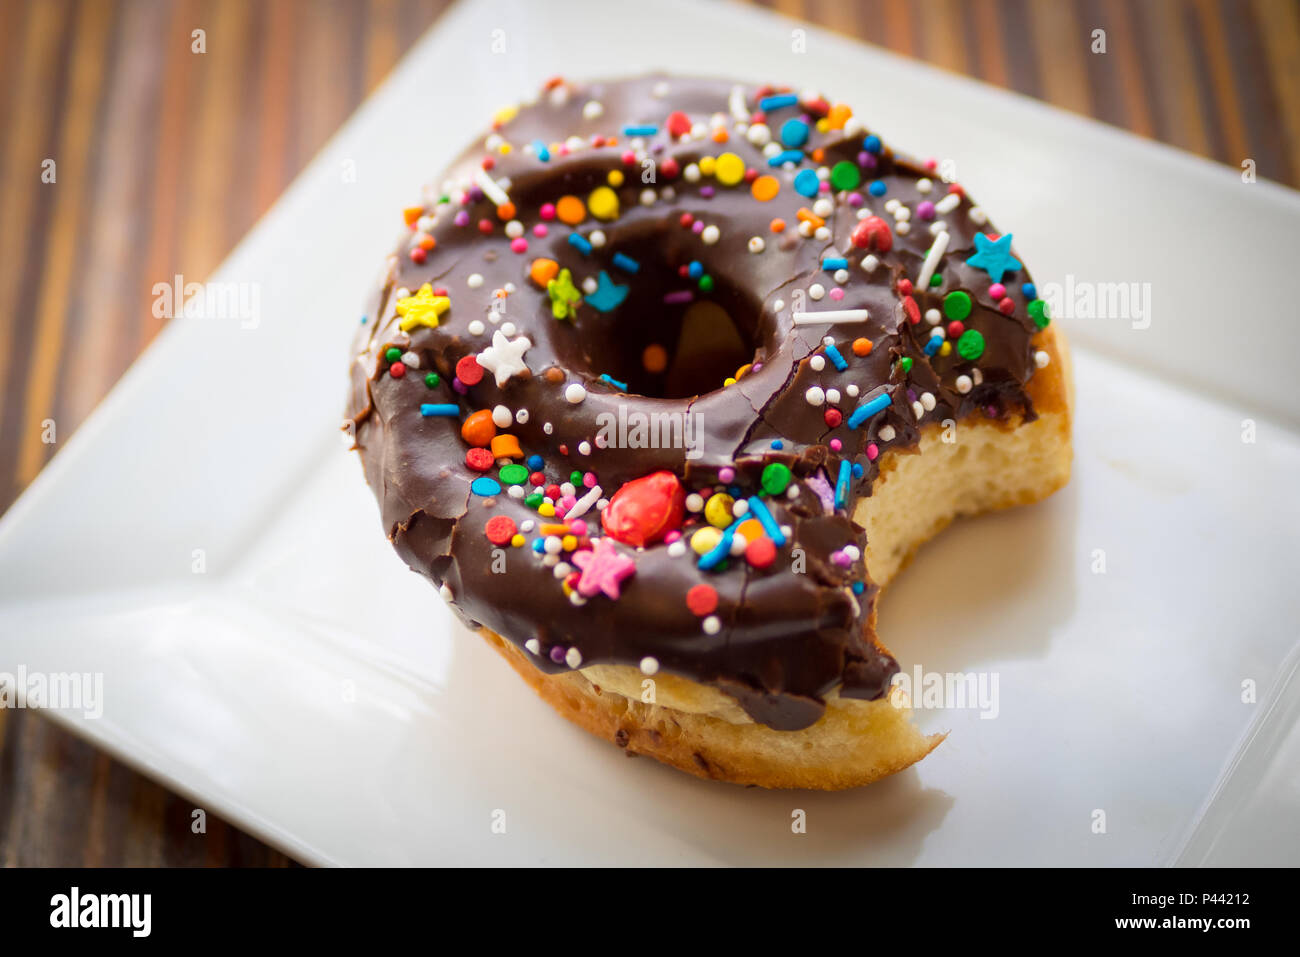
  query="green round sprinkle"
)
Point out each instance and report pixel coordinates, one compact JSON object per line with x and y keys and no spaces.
{"x":432,"y":380}
{"x":845,"y":175}
{"x":971,"y":345}
{"x":513,"y":474}
{"x":393,"y":354}
{"x":776,"y":478}
{"x":905,"y":364}
{"x":534,"y":500}
{"x":1039,"y":313}
{"x":936,"y":281}
{"x":956,"y":305}
{"x":575,"y":478}
{"x":706,"y":283}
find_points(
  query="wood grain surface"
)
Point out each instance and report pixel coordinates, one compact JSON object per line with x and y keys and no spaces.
{"x":164,"y":158}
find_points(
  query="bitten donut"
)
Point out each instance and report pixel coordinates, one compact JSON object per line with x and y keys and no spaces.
{"x":643,"y":389}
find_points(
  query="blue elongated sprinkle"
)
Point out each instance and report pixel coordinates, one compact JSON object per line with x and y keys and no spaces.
{"x":785,"y":156}
{"x":776,"y":101}
{"x":485,"y":486}
{"x":640,"y":130}
{"x":868,"y":409}
{"x":626,"y":263}
{"x":580,"y":243}
{"x":718,"y":552}
{"x":542,"y":152}
{"x":760,"y":512}
{"x":439,"y":408}
{"x":837,"y":360}
{"x":830,"y":265}
{"x":842,"y":483}
{"x":622,"y":386}
{"x":933,"y":346}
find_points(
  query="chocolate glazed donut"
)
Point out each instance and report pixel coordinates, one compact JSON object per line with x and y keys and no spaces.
{"x":636,"y":367}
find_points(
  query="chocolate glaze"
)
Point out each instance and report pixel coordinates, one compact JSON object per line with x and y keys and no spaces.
{"x":787,"y":638}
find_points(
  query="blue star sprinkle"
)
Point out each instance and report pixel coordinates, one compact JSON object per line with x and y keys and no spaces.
{"x":607,"y":296}
{"x":994,"y":257}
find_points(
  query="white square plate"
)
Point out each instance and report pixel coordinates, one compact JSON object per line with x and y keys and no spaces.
{"x":273,"y":690}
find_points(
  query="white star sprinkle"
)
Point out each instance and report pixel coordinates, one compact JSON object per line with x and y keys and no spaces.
{"x":505,"y":357}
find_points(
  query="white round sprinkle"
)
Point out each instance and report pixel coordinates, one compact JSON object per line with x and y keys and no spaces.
{"x":918,"y":410}
{"x":589,"y":285}
{"x":533,"y":646}
{"x":933,"y":316}
{"x":711,"y":235}
{"x":691,"y":174}
{"x":514,"y":229}
{"x":573,"y":658}
{"x":694,"y":502}
{"x":978,"y":216}
{"x":516,"y":491}
{"x":1041,"y":359}
{"x":924,"y":186}
{"x":677,"y":549}
{"x":853,"y":552}
{"x":778,"y":305}
{"x":584,"y":448}
{"x":903,"y":228}
{"x":410,"y":360}
{"x":574,"y":393}
{"x":886,"y":433}
{"x":977,"y":376}
{"x":756,"y":244}
{"x":597,"y":239}
{"x":592,"y":110}
{"x":712,"y":625}
{"x":760,"y":134}
{"x":833,"y":396}
{"x":648,"y":197}
{"x":649,"y":665}
{"x":852,"y":390}
{"x":553,"y":544}
{"x":869,"y":263}
{"x":815,"y":395}
{"x":476,"y":327}
{"x":823,"y":208}
{"x":841,"y":276}
{"x":740,"y":507}
{"x":927,"y":401}
{"x":508,"y":328}
{"x":816,"y":291}
{"x":474,"y":281}
{"x":891,"y":205}
{"x":964,"y":384}
{"x":527,"y":525}
{"x":818,"y":363}
{"x":823,"y":233}
{"x":501,"y":417}
{"x":548,"y":428}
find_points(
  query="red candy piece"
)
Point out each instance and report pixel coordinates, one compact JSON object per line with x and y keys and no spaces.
{"x":912,"y":309}
{"x":702,"y":600}
{"x":469,"y":371}
{"x":397,"y":370}
{"x":833,"y":418}
{"x":645,"y":510}
{"x":679,"y":124}
{"x":761,"y":552}
{"x":537,"y":478}
{"x":873,"y":233}
{"x":670,"y":168}
{"x":480,"y":460}
{"x":553,"y":492}
{"x":500,"y":529}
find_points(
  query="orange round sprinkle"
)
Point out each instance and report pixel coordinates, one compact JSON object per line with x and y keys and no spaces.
{"x":765,"y":188}
{"x":570,"y":210}
{"x":543,"y":271}
{"x":655,"y":358}
{"x":720,"y":134}
{"x":751,"y":528}
{"x":428,"y":242}
{"x":777,"y":225}
{"x":506,"y":212}
{"x":862,"y":347}
{"x":818,"y":155}
{"x":479,"y":428}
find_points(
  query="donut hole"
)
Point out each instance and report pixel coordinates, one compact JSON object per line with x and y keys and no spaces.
{"x":673,"y":337}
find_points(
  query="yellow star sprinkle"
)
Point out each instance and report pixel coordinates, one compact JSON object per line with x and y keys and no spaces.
{"x":422,"y":309}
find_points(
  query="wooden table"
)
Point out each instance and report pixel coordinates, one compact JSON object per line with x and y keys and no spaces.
{"x":164,"y":158}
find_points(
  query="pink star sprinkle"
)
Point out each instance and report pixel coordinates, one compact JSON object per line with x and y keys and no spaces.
{"x":603,"y":568}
